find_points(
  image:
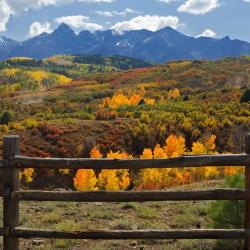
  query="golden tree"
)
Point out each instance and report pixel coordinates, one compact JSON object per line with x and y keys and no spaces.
{"x":27,"y":174}
{"x":208,"y":147}
{"x":85,"y":180}
{"x":114,"y":180}
{"x":120,"y":99}
{"x":150,"y":178}
{"x":175,"y":146}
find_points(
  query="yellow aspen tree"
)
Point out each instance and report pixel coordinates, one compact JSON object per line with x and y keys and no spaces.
{"x":174,"y":93}
{"x":120,"y":99}
{"x":85,"y":180}
{"x":210,"y":144}
{"x":207,"y":148}
{"x":175,"y":146}
{"x":27,"y":174}
{"x":114,"y":180}
{"x":149,"y":178}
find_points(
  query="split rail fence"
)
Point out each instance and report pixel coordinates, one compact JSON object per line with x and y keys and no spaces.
{"x":13,"y":162}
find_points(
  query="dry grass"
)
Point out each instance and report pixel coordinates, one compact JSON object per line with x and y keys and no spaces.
{"x":117,"y":216}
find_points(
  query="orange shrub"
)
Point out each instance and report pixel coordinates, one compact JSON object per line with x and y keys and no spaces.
{"x":85,"y":180}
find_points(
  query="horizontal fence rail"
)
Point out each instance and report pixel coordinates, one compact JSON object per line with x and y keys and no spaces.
{"x":138,"y":234}
{"x":131,"y":196}
{"x":12,"y":163}
{"x":178,"y":162}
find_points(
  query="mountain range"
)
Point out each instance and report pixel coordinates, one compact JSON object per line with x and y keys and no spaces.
{"x":158,"y":47}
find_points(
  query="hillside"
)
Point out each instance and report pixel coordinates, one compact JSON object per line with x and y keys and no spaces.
{"x":182,"y":107}
{"x":160,"y":46}
{"x":75,"y":66}
{"x":118,"y":62}
{"x":189,"y":98}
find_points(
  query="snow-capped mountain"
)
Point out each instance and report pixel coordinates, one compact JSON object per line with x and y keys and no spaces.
{"x":160,"y":46}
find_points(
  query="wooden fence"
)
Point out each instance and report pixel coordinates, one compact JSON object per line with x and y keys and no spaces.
{"x":12,"y":162}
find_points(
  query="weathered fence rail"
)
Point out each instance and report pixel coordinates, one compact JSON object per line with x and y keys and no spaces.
{"x":178,"y":162}
{"x":12,"y":163}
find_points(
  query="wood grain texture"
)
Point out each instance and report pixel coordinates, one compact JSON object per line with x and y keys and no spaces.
{"x":247,"y":187}
{"x":141,"y":234}
{"x":11,"y":147}
{"x":132,"y":196}
{"x":179,"y":162}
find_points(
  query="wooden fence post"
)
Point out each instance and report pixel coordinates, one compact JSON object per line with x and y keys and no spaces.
{"x":247,"y":185}
{"x":11,"y":147}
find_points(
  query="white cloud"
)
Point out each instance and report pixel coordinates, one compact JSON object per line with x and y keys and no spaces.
{"x":104,"y":13}
{"x":207,"y":33}
{"x":131,"y":11}
{"x":13,"y":7}
{"x":5,"y":13}
{"x":199,"y":7}
{"x":79,"y":22}
{"x":117,"y":13}
{"x":37,"y":28}
{"x":152,"y":23}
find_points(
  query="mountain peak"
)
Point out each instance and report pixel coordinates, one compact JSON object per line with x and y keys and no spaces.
{"x":159,"y":46}
{"x":63,"y":28}
{"x":169,"y":30}
{"x":226,"y":38}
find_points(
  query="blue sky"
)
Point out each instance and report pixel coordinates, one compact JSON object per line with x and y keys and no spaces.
{"x":22,"y":19}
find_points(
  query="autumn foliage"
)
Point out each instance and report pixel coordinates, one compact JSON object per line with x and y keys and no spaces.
{"x":120,"y":99}
{"x":114,"y":180}
{"x":27,"y":175}
{"x":85,"y":179}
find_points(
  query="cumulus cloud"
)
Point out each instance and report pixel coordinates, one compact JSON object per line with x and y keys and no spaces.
{"x":148,"y":22}
{"x":117,"y":13}
{"x":207,"y":33}
{"x":13,"y":7}
{"x":37,"y":28}
{"x":5,"y":13}
{"x":79,"y":22}
{"x":199,"y":7}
